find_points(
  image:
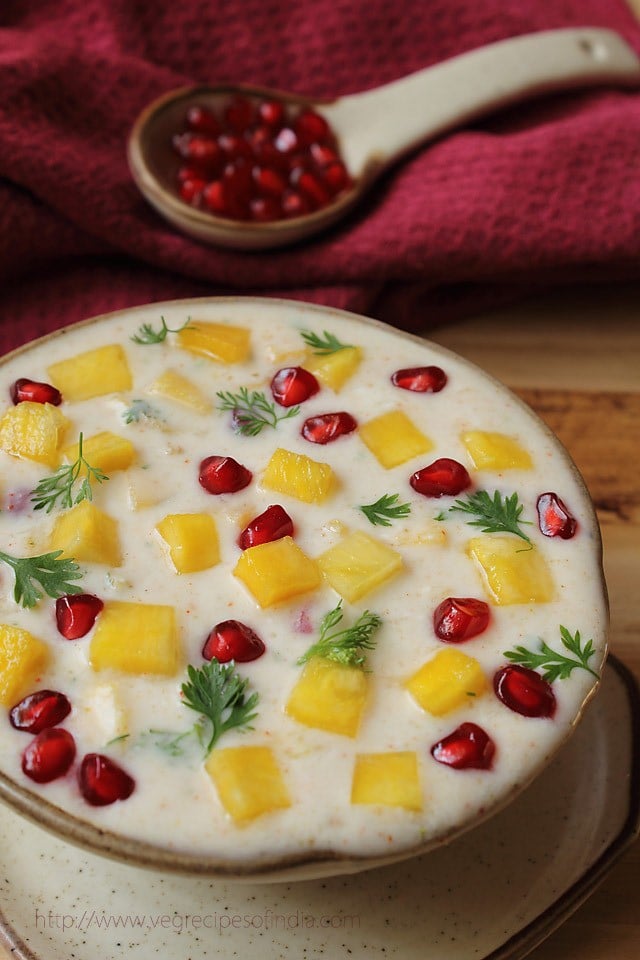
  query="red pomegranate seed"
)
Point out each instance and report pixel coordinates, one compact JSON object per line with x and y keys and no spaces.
{"x":468,"y":747}
{"x":191,"y":190}
{"x":239,"y":114}
{"x":76,"y":614}
{"x":293,"y":385}
{"x":268,"y":155}
{"x":336,"y":177}
{"x":327,"y":427}
{"x":442,"y":478}
{"x":35,"y":392}
{"x":269,"y":182}
{"x":219,"y":199}
{"x":524,"y":691}
{"x":235,"y":147}
{"x":49,"y":755}
{"x":273,"y":524}
{"x":314,"y":189}
{"x":264,"y":209}
{"x":295,"y":204}
{"x":232,"y":640}
{"x":310,"y":127}
{"x":420,"y":379}
{"x":202,"y":120}
{"x":102,"y":781}
{"x":39,"y":711}
{"x":271,"y":112}
{"x":554,"y":518}
{"x":202,"y":151}
{"x":323,"y":155}
{"x":223,"y":475}
{"x":286,"y":141}
{"x":460,"y":618}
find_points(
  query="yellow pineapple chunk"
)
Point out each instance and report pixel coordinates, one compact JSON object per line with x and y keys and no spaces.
{"x":329,"y":696}
{"x":248,"y":780}
{"x":495,"y":451}
{"x":388,"y":778}
{"x":277,"y":571}
{"x":512,"y":571}
{"x":136,"y":638}
{"x":358,"y":564}
{"x":297,"y":475}
{"x":93,"y":373}
{"x":393,"y":438}
{"x":334,"y":369}
{"x":191,"y":540}
{"x":174,"y":386}
{"x":86,"y":533}
{"x":218,"y":341}
{"x":446,"y":682}
{"x":33,"y":431}
{"x":22,"y":657}
{"x":105,"y":451}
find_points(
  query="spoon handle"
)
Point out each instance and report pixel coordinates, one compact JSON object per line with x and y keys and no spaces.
{"x":378,"y":126}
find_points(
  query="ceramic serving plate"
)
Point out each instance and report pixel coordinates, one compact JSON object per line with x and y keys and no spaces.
{"x":321,"y":596}
{"x":495,"y":893}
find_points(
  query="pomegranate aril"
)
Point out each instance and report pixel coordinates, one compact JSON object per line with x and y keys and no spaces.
{"x":293,"y":385}
{"x":286,"y":141}
{"x":102,"y":781}
{"x":235,"y":147}
{"x":554,"y":518}
{"x":264,"y":209}
{"x":49,"y":755}
{"x":469,"y":747}
{"x":323,"y":155}
{"x":442,"y":478}
{"x":233,"y":640}
{"x":35,"y":392}
{"x":314,"y":189}
{"x":295,"y":204}
{"x":269,"y":182}
{"x":191,"y":190}
{"x":201,"y":120}
{"x":273,"y":524}
{"x":271,"y":112}
{"x":202,"y":151}
{"x":40,"y":711}
{"x":336,"y":177}
{"x":223,"y":475}
{"x":239,"y":114}
{"x":76,"y":614}
{"x":310,"y":127}
{"x":524,"y":691}
{"x":326,"y":427}
{"x":420,"y":379}
{"x":460,"y":618}
{"x":213,"y":197}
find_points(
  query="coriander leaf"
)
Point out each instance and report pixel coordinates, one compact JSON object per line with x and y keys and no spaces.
{"x":556,"y":665}
{"x":493,"y":515}
{"x":386,"y":509}
{"x":60,"y":485}
{"x":330,"y":344}
{"x":217,"y":692}
{"x":345,"y":646}
{"x":140,"y":410}
{"x":252,"y":412}
{"x":49,"y":572}
{"x":146,"y":335}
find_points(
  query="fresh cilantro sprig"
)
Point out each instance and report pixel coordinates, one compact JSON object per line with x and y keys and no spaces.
{"x":252,"y":412}
{"x":556,"y":666}
{"x":146,"y":334}
{"x":217,"y":692}
{"x":323,"y":347}
{"x":53,"y":575}
{"x":347,"y":646}
{"x":386,"y":509}
{"x":495,"y":514}
{"x":60,"y":485}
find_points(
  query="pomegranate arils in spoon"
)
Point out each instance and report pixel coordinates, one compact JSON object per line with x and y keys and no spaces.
{"x":293,"y":385}
{"x":102,"y":781}
{"x":327,"y":427}
{"x":420,"y":379}
{"x":524,"y":691}
{"x":442,"y":478}
{"x":554,"y":518}
{"x":468,"y":747}
{"x":35,"y":392}
{"x":76,"y":614}
{"x":273,"y":524}
{"x":460,"y":618}
{"x":223,"y":475}
{"x":233,"y":640}
{"x":49,"y":755}
{"x":39,"y":711}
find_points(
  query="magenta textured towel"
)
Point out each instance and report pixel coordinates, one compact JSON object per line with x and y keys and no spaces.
{"x":542,"y":194}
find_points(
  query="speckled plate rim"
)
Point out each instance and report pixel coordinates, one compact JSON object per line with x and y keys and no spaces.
{"x":323,"y":862}
{"x":521,"y":944}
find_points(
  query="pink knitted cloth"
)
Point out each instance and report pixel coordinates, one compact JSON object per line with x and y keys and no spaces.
{"x":543,"y":194}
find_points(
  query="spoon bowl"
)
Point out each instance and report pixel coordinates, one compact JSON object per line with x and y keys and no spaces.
{"x":374,"y":129}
